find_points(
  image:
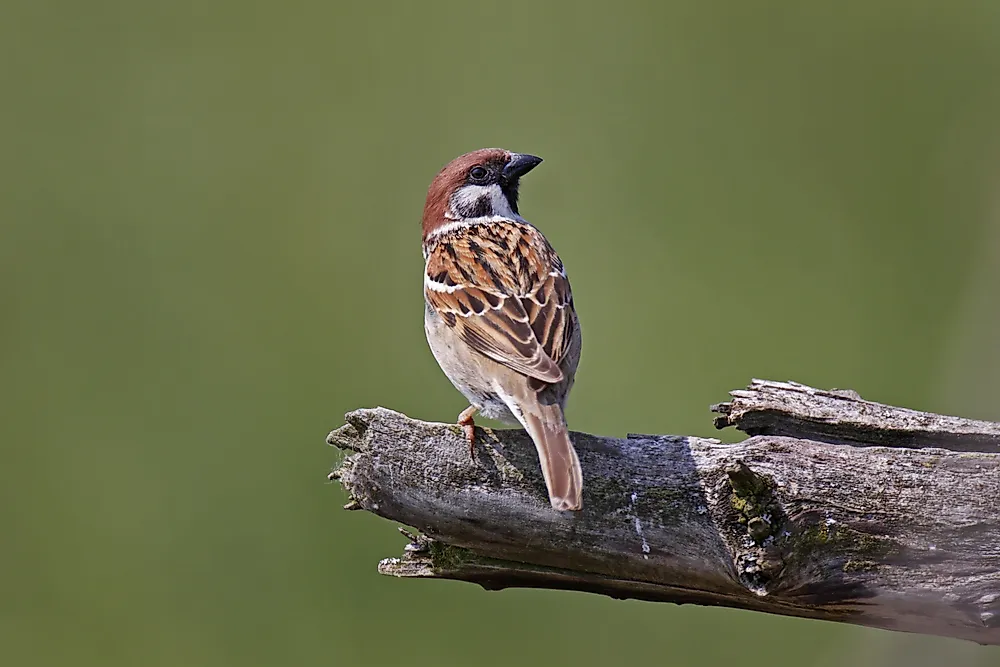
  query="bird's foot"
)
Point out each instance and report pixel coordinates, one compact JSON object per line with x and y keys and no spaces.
{"x":468,"y":424}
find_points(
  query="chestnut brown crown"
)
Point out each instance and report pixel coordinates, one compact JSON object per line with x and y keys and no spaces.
{"x":480,"y":184}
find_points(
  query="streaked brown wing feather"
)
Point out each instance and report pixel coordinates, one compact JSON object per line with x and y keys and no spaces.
{"x":551,"y":315}
{"x":505,"y":295}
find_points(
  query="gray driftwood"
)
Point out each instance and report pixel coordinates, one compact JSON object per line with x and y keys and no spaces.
{"x":903,"y":534}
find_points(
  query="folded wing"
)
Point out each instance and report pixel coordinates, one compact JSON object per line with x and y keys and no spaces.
{"x":503,"y":288}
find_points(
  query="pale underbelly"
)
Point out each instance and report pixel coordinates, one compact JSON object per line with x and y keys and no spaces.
{"x":465,"y":368}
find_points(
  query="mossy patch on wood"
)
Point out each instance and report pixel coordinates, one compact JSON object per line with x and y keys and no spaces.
{"x":755,"y":502}
{"x":831,"y":541}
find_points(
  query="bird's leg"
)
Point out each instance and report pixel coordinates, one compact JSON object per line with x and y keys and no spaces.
{"x":465,"y":420}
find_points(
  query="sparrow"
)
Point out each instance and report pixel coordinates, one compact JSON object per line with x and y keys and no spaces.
{"x":499,"y":313}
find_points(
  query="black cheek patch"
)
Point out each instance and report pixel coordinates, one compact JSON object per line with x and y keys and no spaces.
{"x":482,"y":207}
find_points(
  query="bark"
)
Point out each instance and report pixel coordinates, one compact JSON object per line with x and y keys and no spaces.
{"x":899,"y":531}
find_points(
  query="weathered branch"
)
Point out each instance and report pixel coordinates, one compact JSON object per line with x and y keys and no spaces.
{"x":841,"y":416}
{"x":889,"y":537}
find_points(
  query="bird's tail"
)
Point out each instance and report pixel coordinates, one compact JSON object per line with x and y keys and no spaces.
{"x":560,"y":465}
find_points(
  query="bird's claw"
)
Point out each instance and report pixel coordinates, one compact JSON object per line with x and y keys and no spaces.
{"x":468,"y":424}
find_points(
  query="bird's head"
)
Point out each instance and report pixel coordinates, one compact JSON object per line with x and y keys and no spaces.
{"x":481,"y":184}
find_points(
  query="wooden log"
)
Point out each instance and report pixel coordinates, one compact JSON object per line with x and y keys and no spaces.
{"x":890,"y":536}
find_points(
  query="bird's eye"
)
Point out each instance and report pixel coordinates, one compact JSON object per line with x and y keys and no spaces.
{"x":478,"y":173}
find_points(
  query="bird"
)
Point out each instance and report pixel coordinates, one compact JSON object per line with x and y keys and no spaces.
{"x":499,"y":314}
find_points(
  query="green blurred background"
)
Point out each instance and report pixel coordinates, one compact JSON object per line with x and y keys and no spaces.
{"x":209,"y":251}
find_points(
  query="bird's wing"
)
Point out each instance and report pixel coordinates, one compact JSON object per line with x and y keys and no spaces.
{"x":502,"y":287}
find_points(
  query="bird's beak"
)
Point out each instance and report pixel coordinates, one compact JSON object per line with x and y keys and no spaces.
{"x":519,"y":165}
